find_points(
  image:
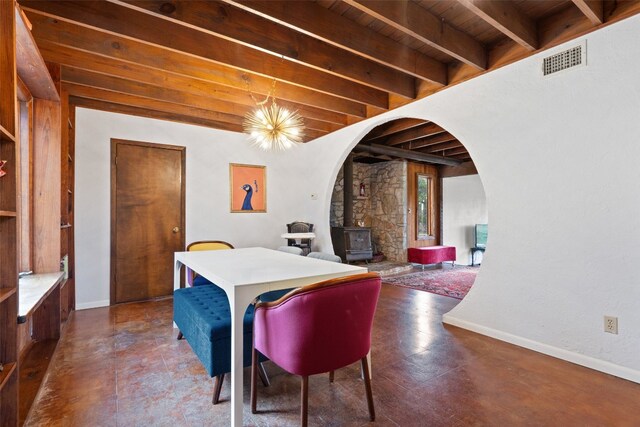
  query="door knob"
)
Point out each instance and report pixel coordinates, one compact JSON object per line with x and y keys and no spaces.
{"x":176,"y":229}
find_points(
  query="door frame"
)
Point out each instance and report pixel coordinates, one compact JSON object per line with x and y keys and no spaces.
{"x":114,"y":143}
{"x":435,"y":205}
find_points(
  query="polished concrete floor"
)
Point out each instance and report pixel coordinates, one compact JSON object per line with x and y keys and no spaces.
{"x":123,"y":366}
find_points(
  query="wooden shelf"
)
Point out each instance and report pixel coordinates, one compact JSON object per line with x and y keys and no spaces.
{"x":6,"y":293}
{"x":6,"y":373}
{"x":6,"y":135}
{"x":8,"y":213}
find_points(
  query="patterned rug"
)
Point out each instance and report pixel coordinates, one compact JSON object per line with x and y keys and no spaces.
{"x":450,"y":282}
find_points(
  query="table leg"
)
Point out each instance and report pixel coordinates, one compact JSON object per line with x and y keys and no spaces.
{"x":239,"y":300}
{"x":177,"y":266}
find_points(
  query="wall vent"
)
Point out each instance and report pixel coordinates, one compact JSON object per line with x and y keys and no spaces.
{"x":570,"y":58}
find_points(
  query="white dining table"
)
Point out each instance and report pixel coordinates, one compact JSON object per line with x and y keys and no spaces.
{"x":246,"y":273}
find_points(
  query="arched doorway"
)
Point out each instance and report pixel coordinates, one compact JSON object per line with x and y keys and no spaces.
{"x":413,"y":185}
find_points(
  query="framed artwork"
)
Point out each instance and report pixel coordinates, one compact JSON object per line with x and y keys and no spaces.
{"x":248,"y":188}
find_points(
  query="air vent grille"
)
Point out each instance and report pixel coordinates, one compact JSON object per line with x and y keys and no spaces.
{"x":564,"y":60}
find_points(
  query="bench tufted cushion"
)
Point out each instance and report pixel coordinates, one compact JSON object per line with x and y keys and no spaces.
{"x":209,"y":308}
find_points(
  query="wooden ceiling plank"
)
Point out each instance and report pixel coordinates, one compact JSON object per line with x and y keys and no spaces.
{"x":393,"y":127}
{"x":166,"y":94}
{"x":419,"y":144}
{"x":142,"y":90}
{"x":216,"y":120}
{"x":414,"y":133}
{"x":113,"y":67}
{"x":592,"y":9}
{"x":405,"y":154}
{"x":65,"y":34}
{"x":412,"y":19}
{"x":240,"y":26}
{"x":96,"y":104}
{"x":444,"y":146}
{"x":330,"y":27}
{"x":508,"y":19}
{"x":115,"y":19}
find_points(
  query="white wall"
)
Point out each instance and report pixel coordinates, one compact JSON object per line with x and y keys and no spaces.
{"x":558,"y":160}
{"x":463,"y":206}
{"x":290,"y":183}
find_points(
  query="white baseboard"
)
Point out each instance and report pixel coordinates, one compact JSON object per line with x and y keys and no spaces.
{"x":92,"y":304}
{"x":578,"y":359}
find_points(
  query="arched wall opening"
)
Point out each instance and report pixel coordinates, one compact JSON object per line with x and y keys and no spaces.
{"x":409,"y":183}
{"x":556,"y":224}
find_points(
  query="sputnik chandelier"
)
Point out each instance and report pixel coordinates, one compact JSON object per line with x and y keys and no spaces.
{"x":272,"y":127}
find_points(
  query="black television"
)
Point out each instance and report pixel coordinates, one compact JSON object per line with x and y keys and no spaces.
{"x":481,"y":231}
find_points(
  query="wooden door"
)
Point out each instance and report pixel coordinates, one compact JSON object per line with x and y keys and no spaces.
{"x":425,"y":232}
{"x":147,"y":218}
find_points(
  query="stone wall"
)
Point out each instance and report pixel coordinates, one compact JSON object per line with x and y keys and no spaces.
{"x":383,"y":207}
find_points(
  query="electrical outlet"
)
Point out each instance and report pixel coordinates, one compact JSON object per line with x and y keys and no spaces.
{"x":611,"y":324}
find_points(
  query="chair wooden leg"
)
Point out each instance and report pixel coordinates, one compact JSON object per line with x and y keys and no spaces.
{"x":331,"y":376}
{"x":254,"y":380}
{"x":304,"y":401}
{"x":263,"y":375}
{"x":217,"y":388}
{"x":367,"y":386}
{"x":180,"y":336}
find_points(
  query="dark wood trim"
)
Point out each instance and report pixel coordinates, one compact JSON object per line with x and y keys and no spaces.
{"x":465,"y":168}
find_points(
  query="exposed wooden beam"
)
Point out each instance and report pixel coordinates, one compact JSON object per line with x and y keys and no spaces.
{"x":319,"y":22}
{"x":392,"y":127}
{"x":152,"y":31}
{"x":113,"y":67}
{"x":592,"y":9}
{"x":130,"y":54}
{"x":96,"y":104}
{"x":414,"y":20}
{"x":507,"y":18}
{"x":417,"y":132}
{"x":237,"y":112}
{"x":422,"y":143}
{"x":466,"y":168}
{"x":243,"y":27}
{"x":30,"y":65}
{"x":126,"y":104}
{"x":405,"y":154}
{"x":442,"y":147}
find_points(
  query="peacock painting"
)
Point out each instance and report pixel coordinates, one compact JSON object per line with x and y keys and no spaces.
{"x":248,"y":188}
{"x":246,"y":203}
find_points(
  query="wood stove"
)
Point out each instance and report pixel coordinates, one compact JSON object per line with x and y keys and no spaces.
{"x":352,"y":243}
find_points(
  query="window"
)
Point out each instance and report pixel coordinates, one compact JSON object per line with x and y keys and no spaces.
{"x":423,"y":206}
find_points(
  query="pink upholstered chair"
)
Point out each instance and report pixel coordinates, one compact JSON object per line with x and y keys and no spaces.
{"x":318,"y":328}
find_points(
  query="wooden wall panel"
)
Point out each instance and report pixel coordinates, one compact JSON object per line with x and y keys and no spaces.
{"x":46,"y":185}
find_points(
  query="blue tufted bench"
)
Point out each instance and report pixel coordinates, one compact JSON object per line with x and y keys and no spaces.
{"x":203,"y":316}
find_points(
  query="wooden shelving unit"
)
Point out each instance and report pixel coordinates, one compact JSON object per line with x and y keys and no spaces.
{"x":67,"y":291}
{"x":8,"y":218}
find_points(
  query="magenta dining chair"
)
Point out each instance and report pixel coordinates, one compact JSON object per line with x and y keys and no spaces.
{"x":318,"y":328}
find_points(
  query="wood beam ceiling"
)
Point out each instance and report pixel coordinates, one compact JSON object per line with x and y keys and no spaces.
{"x":592,"y":9}
{"x":508,"y":19}
{"x":153,"y":32}
{"x":207,"y":62}
{"x":417,"y":22}
{"x":239,"y":26}
{"x":316,"y":21}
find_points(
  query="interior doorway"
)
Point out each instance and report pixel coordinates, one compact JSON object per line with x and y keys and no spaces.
{"x":147,"y":218}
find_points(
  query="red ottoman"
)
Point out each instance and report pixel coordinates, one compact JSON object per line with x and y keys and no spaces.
{"x":432,"y":254}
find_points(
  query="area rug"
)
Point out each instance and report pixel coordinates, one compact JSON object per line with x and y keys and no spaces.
{"x":451,"y":282}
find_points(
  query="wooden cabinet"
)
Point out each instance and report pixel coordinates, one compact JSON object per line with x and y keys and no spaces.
{"x":8,"y":219}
